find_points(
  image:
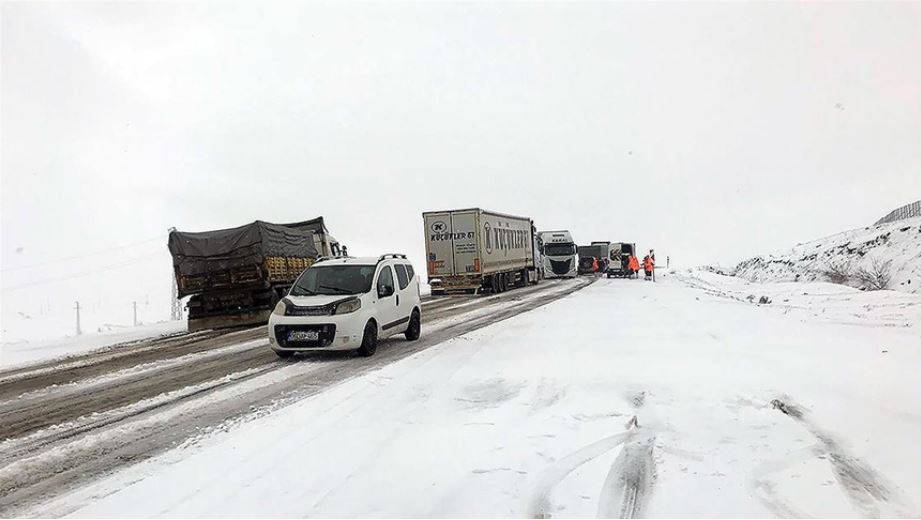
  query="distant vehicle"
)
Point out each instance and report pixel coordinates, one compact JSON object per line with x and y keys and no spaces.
{"x":473,"y":249}
{"x":560,"y":256}
{"x":236,"y":276}
{"x":604,"y":250}
{"x":618,"y":257}
{"x":348,"y":304}
{"x":588,"y":256}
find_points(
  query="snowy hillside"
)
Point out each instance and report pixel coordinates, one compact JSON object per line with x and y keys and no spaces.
{"x":844,"y":257}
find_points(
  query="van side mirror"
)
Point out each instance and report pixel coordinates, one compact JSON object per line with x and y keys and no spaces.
{"x":384,"y":291}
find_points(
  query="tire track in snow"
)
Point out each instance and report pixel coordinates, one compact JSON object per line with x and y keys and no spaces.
{"x":541,"y":506}
{"x":867,"y":490}
{"x":630,"y":479}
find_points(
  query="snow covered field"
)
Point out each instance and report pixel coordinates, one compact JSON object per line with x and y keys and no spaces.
{"x":628,"y":398}
{"x":22,"y":352}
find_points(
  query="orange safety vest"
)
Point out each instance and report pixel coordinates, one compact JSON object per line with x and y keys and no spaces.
{"x":648,"y":264}
{"x":594,"y":264}
{"x":633,"y":263}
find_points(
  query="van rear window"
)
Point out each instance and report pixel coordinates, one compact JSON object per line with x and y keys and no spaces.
{"x":401,"y":275}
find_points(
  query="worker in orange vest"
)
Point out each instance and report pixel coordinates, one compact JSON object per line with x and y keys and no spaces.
{"x":649,"y":266}
{"x":633,"y":266}
{"x":594,"y":265}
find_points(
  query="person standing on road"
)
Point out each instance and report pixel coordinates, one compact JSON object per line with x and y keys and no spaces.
{"x":649,"y":265}
{"x":594,"y":264}
{"x":633,"y":266}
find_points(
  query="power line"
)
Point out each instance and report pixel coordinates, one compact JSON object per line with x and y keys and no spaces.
{"x":81,"y":274}
{"x":77,"y":257}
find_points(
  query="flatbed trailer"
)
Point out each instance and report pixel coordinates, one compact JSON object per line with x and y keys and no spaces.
{"x":236,"y":276}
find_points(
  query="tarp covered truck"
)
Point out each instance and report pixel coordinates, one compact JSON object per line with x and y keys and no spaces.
{"x":618,"y":257}
{"x":597,"y":250}
{"x":236,"y":276}
{"x":472,"y":249}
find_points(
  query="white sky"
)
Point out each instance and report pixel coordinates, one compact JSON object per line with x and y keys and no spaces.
{"x":710,"y":131}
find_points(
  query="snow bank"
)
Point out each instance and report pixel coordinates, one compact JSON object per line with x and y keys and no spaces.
{"x":628,"y":398}
{"x":23,"y":352}
{"x":898,"y":241}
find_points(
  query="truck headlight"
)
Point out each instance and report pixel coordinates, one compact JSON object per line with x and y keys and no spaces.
{"x":280,"y":308}
{"x":347,"y":306}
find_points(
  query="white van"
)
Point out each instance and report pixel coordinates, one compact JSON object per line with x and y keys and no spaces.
{"x":348,"y":304}
{"x":561,"y":259}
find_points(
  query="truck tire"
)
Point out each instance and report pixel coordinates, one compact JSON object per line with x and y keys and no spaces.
{"x":503,"y":282}
{"x":494,"y":284}
{"x":368,"y":340}
{"x":414,"y":330}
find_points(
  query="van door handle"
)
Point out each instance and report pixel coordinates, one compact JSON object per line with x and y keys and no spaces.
{"x":398,"y":300}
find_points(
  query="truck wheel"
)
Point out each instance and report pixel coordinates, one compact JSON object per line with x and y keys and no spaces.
{"x":503,"y":282}
{"x":524,"y":278}
{"x":494,"y":284}
{"x":415,"y":327}
{"x":368,"y":340}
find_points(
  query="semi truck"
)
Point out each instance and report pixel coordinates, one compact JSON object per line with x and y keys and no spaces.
{"x":474,"y":249}
{"x":236,"y":276}
{"x":560,"y":256}
{"x":618,"y":257}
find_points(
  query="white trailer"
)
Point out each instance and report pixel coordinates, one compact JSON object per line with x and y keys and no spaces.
{"x":561,"y":258}
{"x":472,"y":249}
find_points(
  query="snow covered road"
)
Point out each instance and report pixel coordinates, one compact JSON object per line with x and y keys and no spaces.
{"x":625,"y":399}
{"x":64,"y":422}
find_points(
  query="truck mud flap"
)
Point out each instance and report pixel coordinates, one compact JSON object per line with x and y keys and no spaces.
{"x":260,"y":317}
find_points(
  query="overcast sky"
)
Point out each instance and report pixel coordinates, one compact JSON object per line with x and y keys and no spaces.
{"x":711,"y":132}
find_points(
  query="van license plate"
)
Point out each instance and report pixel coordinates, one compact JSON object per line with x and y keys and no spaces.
{"x":303,"y":335}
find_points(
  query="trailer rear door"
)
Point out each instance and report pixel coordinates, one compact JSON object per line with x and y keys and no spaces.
{"x":439,"y":244}
{"x":466,"y":258}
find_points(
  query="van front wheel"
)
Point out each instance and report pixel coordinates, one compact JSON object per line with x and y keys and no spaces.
{"x":368,"y":340}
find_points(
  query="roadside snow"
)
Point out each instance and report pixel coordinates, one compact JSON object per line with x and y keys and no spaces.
{"x":628,"y":398}
{"x":898,"y":242}
{"x":16,"y":353}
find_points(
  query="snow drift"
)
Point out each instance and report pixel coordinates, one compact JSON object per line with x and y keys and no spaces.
{"x":847,"y":258}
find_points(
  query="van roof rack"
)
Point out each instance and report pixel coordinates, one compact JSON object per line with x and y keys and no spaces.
{"x":390,"y":255}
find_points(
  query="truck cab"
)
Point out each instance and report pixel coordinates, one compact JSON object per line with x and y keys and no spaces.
{"x":560,"y":256}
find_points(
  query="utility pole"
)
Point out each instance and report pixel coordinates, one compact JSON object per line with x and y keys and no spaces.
{"x":175,"y":305}
{"x":77,"y":307}
{"x":135,"y":305}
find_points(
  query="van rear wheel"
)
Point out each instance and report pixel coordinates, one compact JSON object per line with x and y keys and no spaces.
{"x":414,"y":330}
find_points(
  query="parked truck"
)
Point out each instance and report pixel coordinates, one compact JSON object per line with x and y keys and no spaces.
{"x":560,"y":256}
{"x":474,"y":249}
{"x":236,"y":276}
{"x":618,"y":257}
{"x":597,"y":251}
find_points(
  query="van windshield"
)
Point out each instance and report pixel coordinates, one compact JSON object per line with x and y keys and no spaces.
{"x":334,"y":279}
{"x":559,"y":249}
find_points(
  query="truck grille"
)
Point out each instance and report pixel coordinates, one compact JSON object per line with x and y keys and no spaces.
{"x":561,"y":266}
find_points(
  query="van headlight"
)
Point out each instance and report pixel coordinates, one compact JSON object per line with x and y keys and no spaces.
{"x":347,"y":306}
{"x":280,"y":308}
